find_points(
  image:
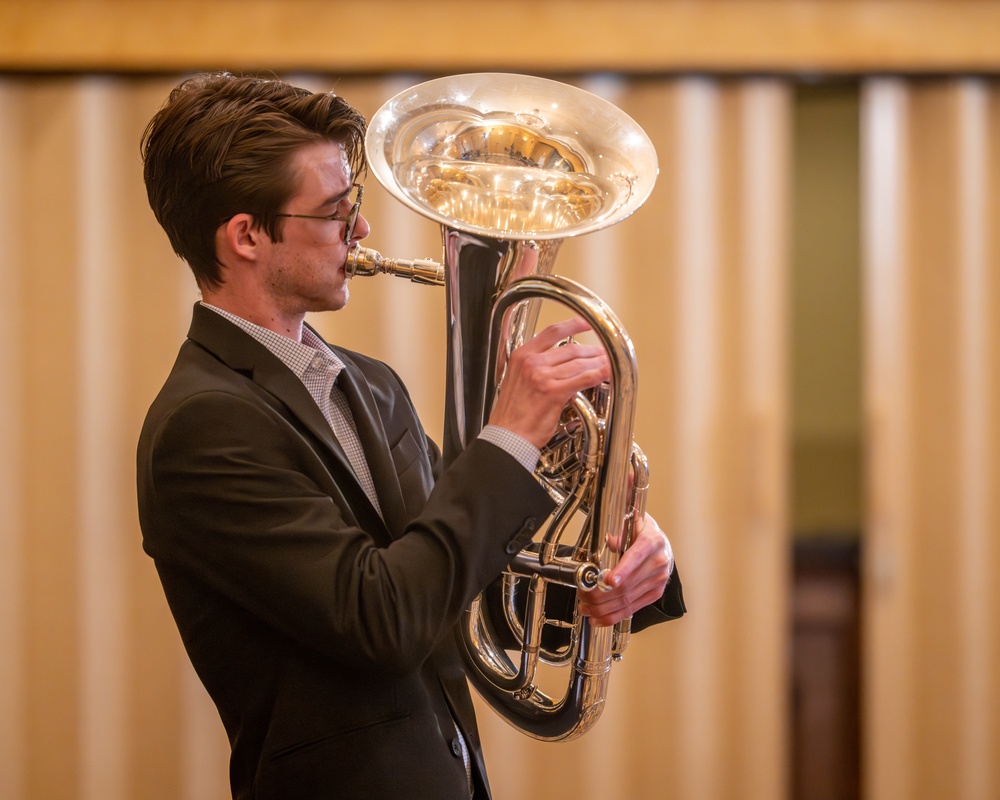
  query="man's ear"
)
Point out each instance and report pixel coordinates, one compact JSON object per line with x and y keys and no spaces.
{"x":240,"y":236}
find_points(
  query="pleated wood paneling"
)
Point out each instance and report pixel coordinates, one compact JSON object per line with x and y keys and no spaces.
{"x":931,"y":179}
{"x":97,"y":699}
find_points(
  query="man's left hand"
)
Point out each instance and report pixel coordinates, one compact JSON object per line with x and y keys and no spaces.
{"x":637,"y":580}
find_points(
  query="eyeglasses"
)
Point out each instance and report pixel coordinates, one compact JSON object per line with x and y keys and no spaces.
{"x":351,"y":217}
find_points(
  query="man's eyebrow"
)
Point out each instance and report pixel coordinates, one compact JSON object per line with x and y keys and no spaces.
{"x":335,"y":199}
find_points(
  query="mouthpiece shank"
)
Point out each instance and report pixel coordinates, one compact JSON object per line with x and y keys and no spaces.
{"x":364,"y":261}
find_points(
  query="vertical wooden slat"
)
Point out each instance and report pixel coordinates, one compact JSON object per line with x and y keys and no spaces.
{"x":765,"y":109}
{"x":698,"y":396}
{"x":13,"y":661}
{"x":103,"y":548}
{"x":49,"y":394}
{"x":978,"y":203}
{"x":887,"y":582}
{"x":934,"y":470}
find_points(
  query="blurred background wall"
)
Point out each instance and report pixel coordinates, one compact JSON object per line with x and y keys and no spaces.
{"x":812,"y":290}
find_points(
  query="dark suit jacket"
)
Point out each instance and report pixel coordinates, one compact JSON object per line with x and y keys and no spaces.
{"x":323,"y":633}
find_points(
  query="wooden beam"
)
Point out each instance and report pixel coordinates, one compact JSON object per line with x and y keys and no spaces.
{"x":637,"y":36}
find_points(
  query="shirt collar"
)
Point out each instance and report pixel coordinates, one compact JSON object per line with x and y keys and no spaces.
{"x":309,"y":355}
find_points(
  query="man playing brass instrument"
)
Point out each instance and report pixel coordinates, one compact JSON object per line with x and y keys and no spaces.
{"x":314,"y":553}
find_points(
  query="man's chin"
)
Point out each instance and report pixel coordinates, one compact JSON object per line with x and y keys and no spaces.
{"x":332,"y":301}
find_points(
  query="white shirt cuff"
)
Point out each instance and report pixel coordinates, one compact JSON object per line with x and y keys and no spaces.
{"x":520,"y":448}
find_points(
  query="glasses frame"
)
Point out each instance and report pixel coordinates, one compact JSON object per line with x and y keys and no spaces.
{"x":351,"y":217}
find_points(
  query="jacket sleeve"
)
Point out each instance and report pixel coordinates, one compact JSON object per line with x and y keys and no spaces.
{"x":256,"y":519}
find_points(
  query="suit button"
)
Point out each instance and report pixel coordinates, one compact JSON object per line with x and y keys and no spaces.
{"x":456,"y":747}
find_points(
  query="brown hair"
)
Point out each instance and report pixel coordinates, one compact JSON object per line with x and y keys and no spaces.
{"x":223,"y":145}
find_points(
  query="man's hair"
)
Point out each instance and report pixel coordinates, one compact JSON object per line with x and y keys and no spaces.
{"x":223,"y":145}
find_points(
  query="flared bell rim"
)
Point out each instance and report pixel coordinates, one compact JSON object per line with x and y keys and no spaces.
{"x":602,"y":154}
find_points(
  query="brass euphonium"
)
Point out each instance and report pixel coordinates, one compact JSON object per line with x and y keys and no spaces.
{"x":510,"y":165}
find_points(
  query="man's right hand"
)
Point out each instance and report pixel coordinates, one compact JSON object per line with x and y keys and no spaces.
{"x":541,"y":377}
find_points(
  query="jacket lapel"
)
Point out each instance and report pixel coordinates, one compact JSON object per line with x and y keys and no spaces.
{"x":374,"y":442}
{"x":242,"y":353}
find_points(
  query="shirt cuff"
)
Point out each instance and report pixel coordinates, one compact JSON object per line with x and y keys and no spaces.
{"x":517,"y":446}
